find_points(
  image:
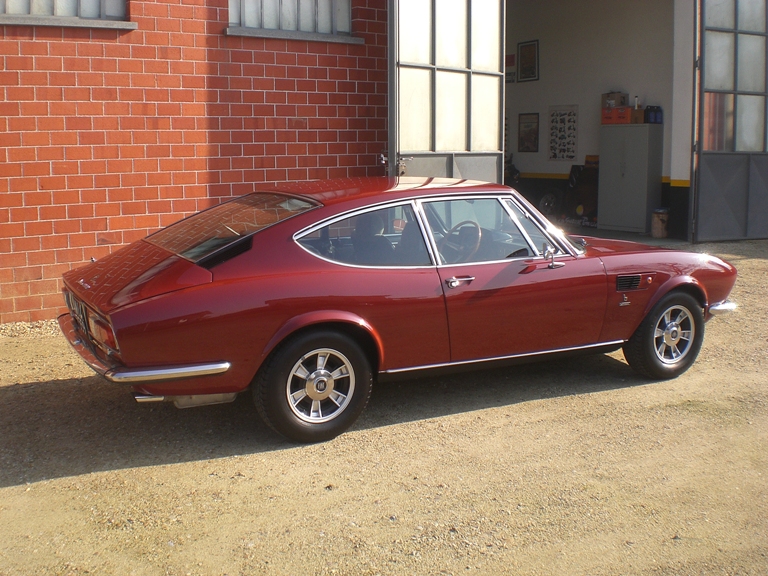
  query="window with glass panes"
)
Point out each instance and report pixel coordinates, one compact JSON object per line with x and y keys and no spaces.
{"x":86,"y":9}
{"x":450,"y":75}
{"x":312,"y":16}
{"x":734,"y":76}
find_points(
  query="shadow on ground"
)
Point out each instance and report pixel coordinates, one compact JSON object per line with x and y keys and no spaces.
{"x":72,"y":427}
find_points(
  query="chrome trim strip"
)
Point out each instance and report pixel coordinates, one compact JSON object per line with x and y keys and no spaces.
{"x":130,"y":376}
{"x":498,"y":358}
{"x":722,"y":308}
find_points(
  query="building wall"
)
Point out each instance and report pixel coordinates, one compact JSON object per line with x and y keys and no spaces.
{"x":107,"y":135}
{"x":588,"y":48}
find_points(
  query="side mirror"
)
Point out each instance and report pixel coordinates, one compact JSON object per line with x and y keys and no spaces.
{"x":549,"y":254}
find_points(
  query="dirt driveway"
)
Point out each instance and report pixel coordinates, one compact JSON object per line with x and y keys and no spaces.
{"x":569,"y":467}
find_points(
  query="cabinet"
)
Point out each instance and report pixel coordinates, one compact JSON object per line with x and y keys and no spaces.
{"x":629,"y":188}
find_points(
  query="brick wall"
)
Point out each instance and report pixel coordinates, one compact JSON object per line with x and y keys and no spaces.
{"x":107,"y":135}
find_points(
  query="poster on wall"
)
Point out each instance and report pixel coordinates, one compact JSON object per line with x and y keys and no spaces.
{"x":528,"y":133}
{"x":528,"y":61}
{"x":510,"y":69}
{"x":563,"y":132}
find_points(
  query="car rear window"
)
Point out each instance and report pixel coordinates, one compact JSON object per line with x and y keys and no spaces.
{"x":216,"y":228}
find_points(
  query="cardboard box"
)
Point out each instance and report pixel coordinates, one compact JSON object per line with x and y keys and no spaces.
{"x":622,"y":115}
{"x":615,"y":99}
{"x":637,"y":116}
{"x":608,"y":116}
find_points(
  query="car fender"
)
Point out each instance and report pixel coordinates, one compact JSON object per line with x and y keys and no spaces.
{"x":320,"y":317}
{"x":689,"y":283}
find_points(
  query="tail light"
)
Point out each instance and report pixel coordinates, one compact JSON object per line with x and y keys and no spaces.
{"x":102,"y":333}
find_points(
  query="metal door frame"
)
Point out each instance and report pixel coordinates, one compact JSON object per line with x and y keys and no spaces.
{"x":755,"y":161}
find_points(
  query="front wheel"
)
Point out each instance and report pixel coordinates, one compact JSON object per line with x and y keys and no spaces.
{"x":669,"y":338}
{"x":314,"y":386}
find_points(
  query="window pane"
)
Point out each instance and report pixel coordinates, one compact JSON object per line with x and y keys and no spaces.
{"x":203,"y":233}
{"x":751,"y":71}
{"x":415,"y":31}
{"x":451,"y":30}
{"x":750,"y":123}
{"x":475,"y":231}
{"x":485,"y":112}
{"x":89,"y":9}
{"x":538,"y":237}
{"x":307,"y":15}
{"x":252,"y":14}
{"x":288,"y":15}
{"x":343,"y":14}
{"x":271,"y":14}
{"x":719,"y":13}
{"x":42,"y":7}
{"x":718,"y":60}
{"x":67,"y":8}
{"x":451,"y":112}
{"x":234,"y":13}
{"x":17,"y":6}
{"x":115,"y":9}
{"x":386,"y":237}
{"x":415,"y":110}
{"x":718,"y":122}
{"x":324,"y":17}
{"x":752,"y":15}
{"x":486,"y":22}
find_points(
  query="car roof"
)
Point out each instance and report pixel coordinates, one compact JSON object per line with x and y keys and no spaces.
{"x":345,"y":190}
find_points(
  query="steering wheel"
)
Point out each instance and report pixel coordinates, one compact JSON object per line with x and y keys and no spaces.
{"x":464,"y":251}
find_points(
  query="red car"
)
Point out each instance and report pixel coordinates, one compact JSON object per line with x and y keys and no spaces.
{"x":308,"y":293}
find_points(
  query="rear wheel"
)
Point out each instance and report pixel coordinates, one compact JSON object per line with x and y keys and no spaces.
{"x":668,"y":340}
{"x":314,"y":386}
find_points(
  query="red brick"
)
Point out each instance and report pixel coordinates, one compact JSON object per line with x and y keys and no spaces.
{"x":66,"y":226}
{"x":41,"y":257}
{"x":69,"y":255}
{"x":53,"y":212}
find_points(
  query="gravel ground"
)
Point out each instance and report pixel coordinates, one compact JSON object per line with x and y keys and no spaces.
{"x":568,"y":467}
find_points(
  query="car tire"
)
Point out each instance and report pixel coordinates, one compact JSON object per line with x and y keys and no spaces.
{"x":668,"y":339}
{"x":549,"y":203}
{"x":314,"y":386}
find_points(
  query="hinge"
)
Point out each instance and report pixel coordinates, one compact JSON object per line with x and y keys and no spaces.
{"x":697,"y":63}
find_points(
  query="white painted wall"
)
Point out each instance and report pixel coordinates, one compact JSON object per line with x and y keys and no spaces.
{"x":590,"y":47}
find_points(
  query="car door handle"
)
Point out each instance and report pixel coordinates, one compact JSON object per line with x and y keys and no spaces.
{"x":457,"y":281}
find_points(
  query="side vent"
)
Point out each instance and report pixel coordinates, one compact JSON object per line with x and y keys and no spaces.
{"x":624,"y":283}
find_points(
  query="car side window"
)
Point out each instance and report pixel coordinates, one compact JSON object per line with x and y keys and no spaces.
{"x":474,"y":230}
{"x":386,"y":237}
{"x":538,"y":238}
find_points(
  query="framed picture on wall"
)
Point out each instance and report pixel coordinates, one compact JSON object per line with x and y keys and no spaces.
{"x":528,"y":132}
{"x":528,"y":61}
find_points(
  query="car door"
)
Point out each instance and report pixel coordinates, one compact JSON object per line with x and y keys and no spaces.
{"x":375,"y":264}
{"x":502,"y":296}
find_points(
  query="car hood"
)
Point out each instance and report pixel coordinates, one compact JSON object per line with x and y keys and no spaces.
{"x":133,"y":273}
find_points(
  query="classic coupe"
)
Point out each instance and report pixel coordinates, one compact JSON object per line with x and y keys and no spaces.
{"x":308,"y":293}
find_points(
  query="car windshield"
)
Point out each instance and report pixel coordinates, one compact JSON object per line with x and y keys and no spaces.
{"x":213,"y":229}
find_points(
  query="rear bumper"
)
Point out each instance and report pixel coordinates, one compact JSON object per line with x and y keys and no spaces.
{"x":81,"y":346}
{"x":121,"y":374}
